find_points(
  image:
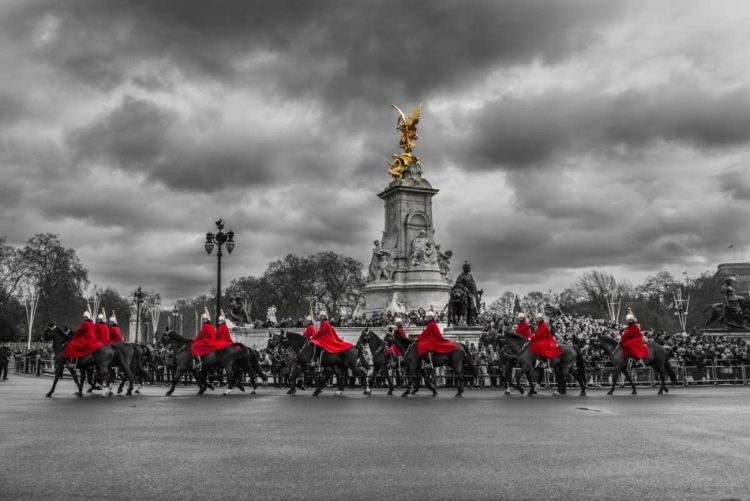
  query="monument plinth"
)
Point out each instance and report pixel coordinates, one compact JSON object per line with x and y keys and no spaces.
{"x":408,"y":270}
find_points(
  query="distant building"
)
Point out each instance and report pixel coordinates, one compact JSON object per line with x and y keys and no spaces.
{"x":741,"y":271}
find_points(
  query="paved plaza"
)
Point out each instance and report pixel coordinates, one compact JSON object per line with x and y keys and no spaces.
{"x":692,"y":443}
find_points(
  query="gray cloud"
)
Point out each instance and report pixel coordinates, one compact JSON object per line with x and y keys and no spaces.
{"x":130,"y":127}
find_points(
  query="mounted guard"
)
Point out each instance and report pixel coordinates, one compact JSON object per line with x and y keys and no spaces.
{"x":115,"y":335}
{"x":633,"y":345}
{"x":84,"y":341}
{"x":543,"y":344}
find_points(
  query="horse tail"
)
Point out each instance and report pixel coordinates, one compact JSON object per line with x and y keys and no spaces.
{"x":580,"y":363}
{"x":705,"y":310}
{"x":470,"y":360}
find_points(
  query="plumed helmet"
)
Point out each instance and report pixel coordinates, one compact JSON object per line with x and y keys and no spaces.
{"x":397,"y":320}
{"x":430,"y":314}
{"x":113,"y":318}
{"x":222,"y":318}
{"x":630,"y":316}
{"x":539,"y":316}
{"x":308,"y":319}
{"x":323,"y":314}
{"x":206,"y":317}
{"x":100,"y":317}
{"x":87,"y":313}
{"x":521,"y":316}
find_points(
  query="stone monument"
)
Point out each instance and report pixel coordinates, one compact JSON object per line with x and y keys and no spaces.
{"x":408,"y":270}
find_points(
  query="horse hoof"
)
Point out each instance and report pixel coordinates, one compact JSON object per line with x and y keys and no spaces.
{"x":252,"y":392}
{"x":364,"y":392}
{"x":507,"y":392}
{"x":666,"y":390}
{"x":556,"y":394}
{"x":315,"y":394}
{"x":48,"y":395}
{"x":138,"y":392}
{"x":168,"y":394}
{"x":337,"y":394}
{"x":89,"y":390}
{"x":228,"y":392}
{"x":79,"y":394}
{"x":582,"y":394}
{"x":610,"y":392}
{"x":634,"y":392}
{"x":119,"y":390}
{"x":128,"y":394}
{"x":405,"y":394}
{"x":457,"y":395}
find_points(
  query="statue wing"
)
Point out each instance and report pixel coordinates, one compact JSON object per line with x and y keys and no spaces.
{"x":414,"y":120}
{"x":402,"y":117}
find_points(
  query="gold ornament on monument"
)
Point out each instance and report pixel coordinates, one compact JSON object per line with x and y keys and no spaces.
{"x":408,"y":129}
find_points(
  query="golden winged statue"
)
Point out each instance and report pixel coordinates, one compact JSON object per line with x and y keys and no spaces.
{"x":408,"y":128}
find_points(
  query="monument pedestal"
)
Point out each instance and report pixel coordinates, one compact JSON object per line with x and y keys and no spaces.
{"x":408,"y":271}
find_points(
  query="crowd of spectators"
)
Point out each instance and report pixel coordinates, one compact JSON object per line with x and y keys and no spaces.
{"x":684,"y":349}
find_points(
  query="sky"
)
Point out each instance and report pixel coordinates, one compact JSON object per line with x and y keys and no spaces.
{"x":563,"y":135}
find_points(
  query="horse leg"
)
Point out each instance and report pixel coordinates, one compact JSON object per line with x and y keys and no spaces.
{"x":92,"y":381}
{"x":458,"y":370}
{"x":58,"y":374}
{"x":230,"y":380}
{"x":409,"y":376}
{"x":80,"y":382}
{"x":532,"y":390}
{"x":629,"y":379}
{"x":293,"y":376}
{"x":387,"y":374}
{"x":175,"y":379}
{"x":615,"y":379}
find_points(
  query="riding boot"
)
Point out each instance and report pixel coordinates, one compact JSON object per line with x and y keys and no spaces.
{"x":198,"y":365}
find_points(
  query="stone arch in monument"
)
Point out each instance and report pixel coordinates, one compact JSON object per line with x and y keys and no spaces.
{"x":417,"y":221}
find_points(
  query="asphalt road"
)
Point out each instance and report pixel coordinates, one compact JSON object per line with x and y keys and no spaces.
{"x":690,"y":444}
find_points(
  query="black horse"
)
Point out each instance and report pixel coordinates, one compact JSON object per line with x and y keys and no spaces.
{"x":102,"y":359}
{"x":227,"y":357}
{"x":657,"y":359}
{"x":506,"y":357}
{"x":291,"y":362}
{"x":380,"y":361}
{"x":571,"y":357}
{"x":339,"y":362}
{"x":143,"y":358}
{"x":413,"y":362}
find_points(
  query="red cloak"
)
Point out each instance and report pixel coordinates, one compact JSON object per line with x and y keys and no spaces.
{"x":310,"y":331}
{"x":102,"y":333}
{"x":115,"y":336}
{"x":222,"y":333}
{"x":432,"y":340}
{"x":543,"y":344}
{"x":393,"y":348}
{"x":84,"y":341}
{"x":205,"y":342}
{"x":328,"y":339}
{"x":632,"y":342}
{"x":523,"y":329}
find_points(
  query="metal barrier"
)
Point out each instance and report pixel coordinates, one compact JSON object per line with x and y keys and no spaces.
{"x":700,"y":375}
{"x":729,"y":372}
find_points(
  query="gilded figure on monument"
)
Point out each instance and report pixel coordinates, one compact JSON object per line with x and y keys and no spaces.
{"x":408,"y":129}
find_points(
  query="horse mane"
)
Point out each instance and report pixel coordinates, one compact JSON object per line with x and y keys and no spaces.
{"x":606,"y":340}
{"x":176,"y":337}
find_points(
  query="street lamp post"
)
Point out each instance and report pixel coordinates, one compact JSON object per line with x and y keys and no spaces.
{"x":175,"y":316}
{"x":219,"y":240}
{"x":138,"y":296}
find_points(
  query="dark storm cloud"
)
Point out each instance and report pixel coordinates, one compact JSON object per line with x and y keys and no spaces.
{"x":532,"y":130}
{"x":736,"y":184}
{"x":340,"y":50}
